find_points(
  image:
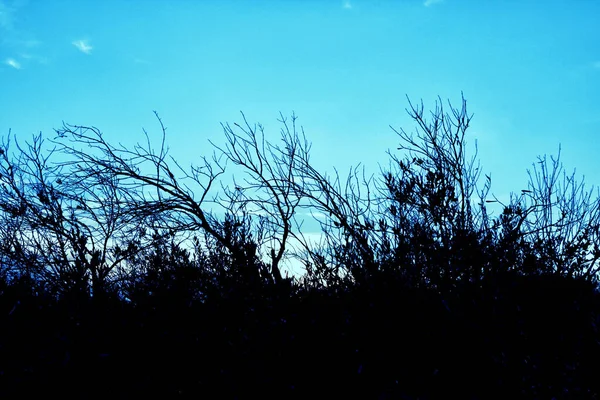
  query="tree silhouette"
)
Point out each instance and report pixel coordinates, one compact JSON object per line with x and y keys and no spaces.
{"x":123,"y":272}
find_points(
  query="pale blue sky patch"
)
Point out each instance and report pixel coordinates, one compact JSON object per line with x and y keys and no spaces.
{"x":30,"y":43}
{"x":529,"y":74}
{"x":140,"y":61}
{"x":429,"y":3}
{"x":6,"y":16}
{"x":17,"y":43}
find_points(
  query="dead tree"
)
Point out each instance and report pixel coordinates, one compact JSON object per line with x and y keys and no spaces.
{"x":59,"y":231}
{"x":426,"y":213}
{"x":152,"y":193}
{"x":560,"y":218}
{"x":280,"y":181}
{"x":267,"y":189}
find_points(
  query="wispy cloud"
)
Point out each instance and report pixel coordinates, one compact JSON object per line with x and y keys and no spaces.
{"x":83,"y":46}
{"x":11,"y":35}
{"x":15,"y":40}
{"x":317,"y":215}
{"x":429,"y":3}
{"x":34,"y":57}
{"x":11,"y":62}
{"x":347,"y":5}
{"x":140,"y":61}
{"x":30,"y":43}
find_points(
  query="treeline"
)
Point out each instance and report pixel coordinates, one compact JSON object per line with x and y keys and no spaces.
{"x":126,"y":275}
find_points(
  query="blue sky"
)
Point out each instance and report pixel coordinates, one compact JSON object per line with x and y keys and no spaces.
{"x":530,"y":71}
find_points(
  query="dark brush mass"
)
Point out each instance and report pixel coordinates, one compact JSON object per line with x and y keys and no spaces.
{"x":124,"y":275}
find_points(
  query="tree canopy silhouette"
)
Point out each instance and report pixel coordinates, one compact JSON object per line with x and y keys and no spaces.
{"x":124,"y":272}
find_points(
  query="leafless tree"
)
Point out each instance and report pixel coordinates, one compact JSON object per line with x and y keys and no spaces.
{"x":559,"y":217}
{"x":267,"y":189}
{"x":281,"y":185}
{"x":428,"y":206}
{"x":57,"y":230}
{"x":146,"y":180}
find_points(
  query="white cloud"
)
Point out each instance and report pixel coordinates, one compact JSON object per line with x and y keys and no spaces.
{"x":429,"y":3}
{"x":13,"y":63}
{"x":83,"y":46}
{"x":347,"y":5}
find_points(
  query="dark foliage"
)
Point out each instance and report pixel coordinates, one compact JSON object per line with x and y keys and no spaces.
{"x":119,"y":278}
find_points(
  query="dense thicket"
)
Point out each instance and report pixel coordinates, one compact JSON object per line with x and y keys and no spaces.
{"x":124,"y":274}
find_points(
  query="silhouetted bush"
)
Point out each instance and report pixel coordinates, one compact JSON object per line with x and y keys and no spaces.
{"x":122,"y":282}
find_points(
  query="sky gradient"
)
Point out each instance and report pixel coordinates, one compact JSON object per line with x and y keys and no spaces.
{"x":530,"y":71}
